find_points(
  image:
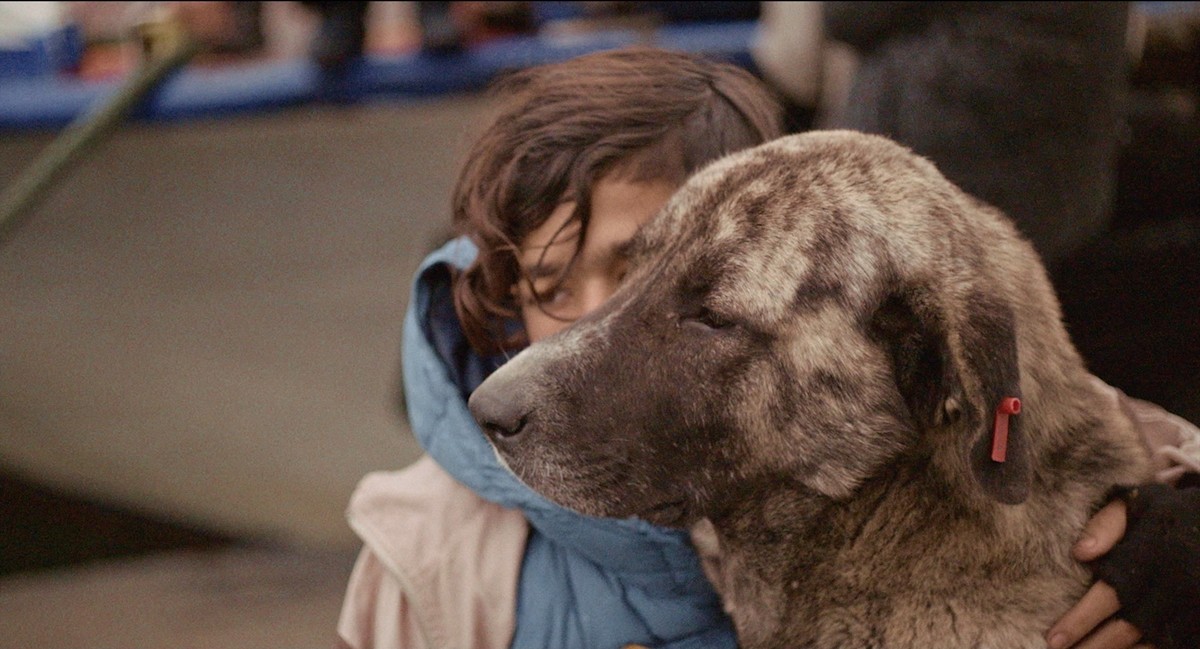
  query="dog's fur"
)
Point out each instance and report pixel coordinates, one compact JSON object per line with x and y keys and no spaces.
{"x":805,"y":362}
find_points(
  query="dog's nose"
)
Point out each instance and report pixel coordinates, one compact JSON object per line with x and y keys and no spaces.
{"x":501,"y":418}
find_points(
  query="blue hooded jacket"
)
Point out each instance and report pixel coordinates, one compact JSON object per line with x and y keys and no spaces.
{"x":585,"y":582}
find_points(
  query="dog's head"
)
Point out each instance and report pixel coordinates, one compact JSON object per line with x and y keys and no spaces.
{"x":803,"y":311}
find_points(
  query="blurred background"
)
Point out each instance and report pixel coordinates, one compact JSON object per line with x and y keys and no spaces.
{"x":200,"y":315}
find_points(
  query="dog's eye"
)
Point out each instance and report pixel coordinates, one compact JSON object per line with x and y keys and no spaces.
{"x":707,"y":320}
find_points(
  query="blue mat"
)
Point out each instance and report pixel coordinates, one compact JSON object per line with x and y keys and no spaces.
{"x":52,"y":102}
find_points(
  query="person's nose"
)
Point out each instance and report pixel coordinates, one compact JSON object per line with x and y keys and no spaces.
{"x":596,"y":292}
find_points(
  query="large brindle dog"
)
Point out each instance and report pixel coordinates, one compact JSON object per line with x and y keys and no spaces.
{"x":811,"y":364}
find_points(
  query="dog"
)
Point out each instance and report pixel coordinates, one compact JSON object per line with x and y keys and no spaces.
{"x":852,"y":381}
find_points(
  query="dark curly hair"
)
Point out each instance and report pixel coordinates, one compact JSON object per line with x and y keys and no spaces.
{"x":650,"y":114}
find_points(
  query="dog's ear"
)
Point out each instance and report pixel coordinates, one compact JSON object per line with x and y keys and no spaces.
{"x":955,"y":367}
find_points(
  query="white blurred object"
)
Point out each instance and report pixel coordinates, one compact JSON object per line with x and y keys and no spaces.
{"x":791,"y":51}
{"x":21,"y":20}
{"x":788,"y":48}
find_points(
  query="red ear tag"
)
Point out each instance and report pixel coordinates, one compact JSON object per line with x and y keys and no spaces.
{"x":1008,"y":406}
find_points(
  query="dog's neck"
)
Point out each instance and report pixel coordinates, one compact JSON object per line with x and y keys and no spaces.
{"x":886,"y":567}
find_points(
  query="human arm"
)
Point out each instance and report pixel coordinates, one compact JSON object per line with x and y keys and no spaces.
{"x":376,"y":612}
{"x":1100,"y":620}
{"x":865,"y":25}
{"x":439,"y":566}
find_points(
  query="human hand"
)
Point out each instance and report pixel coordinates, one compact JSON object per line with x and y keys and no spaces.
{"x":1090,"y":623}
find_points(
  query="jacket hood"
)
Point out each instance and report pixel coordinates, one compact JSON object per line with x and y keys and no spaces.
{"x":441,"y":370}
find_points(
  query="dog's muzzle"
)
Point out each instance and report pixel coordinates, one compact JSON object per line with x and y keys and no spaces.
{"x":501,"y":414}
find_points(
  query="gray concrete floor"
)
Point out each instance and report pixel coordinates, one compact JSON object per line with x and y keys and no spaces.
{"x":202,"y":323}
{"x":272,"y":598}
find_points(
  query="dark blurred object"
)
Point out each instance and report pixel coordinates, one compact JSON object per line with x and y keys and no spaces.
{"x":1131,"y":301}
{"x":502,"y":17}
{"x":789,"y":54}
{"x":1157,"y":174}
{"x":1155,"y":568}
{"x":1132,"y":297}
{"x":47,"y":529}
{"x":1018,"y":103}
{"x":688,"y":12}
{"x":1170,"y":48}
{"x":1035,"y":107}
{"x":341,"y":34}
{"x":222,"y":28}
{"x":673,"y":12}
{"x":453,"y":26}
{"x":485,"y":21}
{"x":440,"y":33}
{"x":247,"y":32}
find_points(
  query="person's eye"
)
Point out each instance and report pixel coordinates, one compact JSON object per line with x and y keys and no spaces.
{"x":623,"y":272}
{"x":619,"y":272}
{"x":556,"y":296}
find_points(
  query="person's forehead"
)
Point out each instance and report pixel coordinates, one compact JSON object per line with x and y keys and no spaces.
{"x":554,"y":239}
{"x":619,"y":208}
